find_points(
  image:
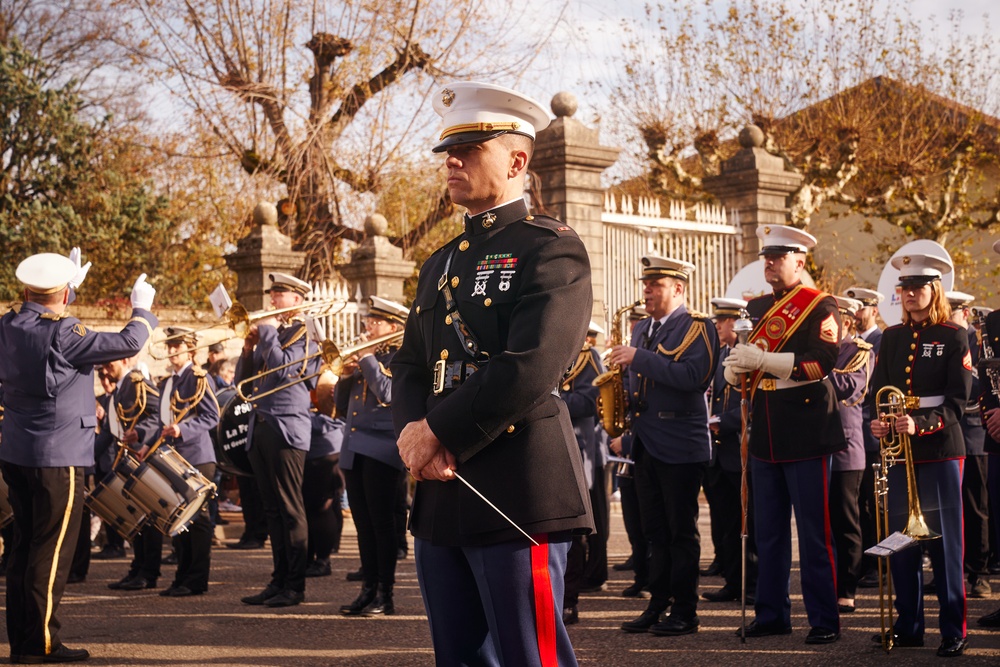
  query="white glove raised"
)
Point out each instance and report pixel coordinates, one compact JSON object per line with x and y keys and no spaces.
{"x":81,"y":271}
{"x":142,"y":294}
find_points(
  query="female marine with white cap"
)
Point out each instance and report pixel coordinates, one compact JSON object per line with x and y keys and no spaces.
{"x":927,"y":358}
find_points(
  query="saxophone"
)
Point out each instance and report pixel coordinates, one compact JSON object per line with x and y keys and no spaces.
{"x":611,"y":400}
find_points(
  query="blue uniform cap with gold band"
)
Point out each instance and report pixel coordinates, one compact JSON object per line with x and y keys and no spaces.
{"x":918,"y":269}
{"x":474,"y":112}
{"x":981,"y":311}
{"x":376,"y":306}
{"x":868,"y":297}
{"x":637,"y":313}
{"x":180,"y":336}
{"x":282,"y":282}
{"x":727,"y":307}
{"x":783,"y":239}
{"x":46,"y":273}
{"x":595,"y":329}
{"x":654,"y":267}
{"x":958,"y":299}
{"x":848,"y":305}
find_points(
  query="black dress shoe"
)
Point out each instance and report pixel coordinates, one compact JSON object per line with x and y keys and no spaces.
{"x":845,"y":608}
{"x":246,"y":544}
{"x":180,"y":592}
{"x":60,"y":654}
{"x":319,"y":569}
{"x":903,"y":641}
{"x":170,"y":559}
{"x":571,"y":616}
{"x":930,"y":588}
{"x":365,"y":598}
{"x":870,"y":580}
{"x":990,"y":620}
{"x":593,"y":588}
{"x":261,"y":597}
{"x":622,"y":567}
{"x":116,"y":585}
{"x":634,"y":591}
{"x":755,"y":629}
{"x":108,"y":554}
{"x":822,"y":636}
{"x":137,"y":584}
{"x":357,"y":575}
{"x":713,"y":570}
{"x":286,"y":598}
{"x":724,"y":594}
{"x":673,"y":626}
{"x":165,"y":593}
{"x":76,"y":578}
{"x":952,"y":647}
{"x":648,"y":619}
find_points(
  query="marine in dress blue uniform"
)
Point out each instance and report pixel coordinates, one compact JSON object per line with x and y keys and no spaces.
{"x":47,"y":359}
{"x":796,"y":429}
{"x":726,"y":425}
{"x":134,"y":421}
{"x":370,"y":461}
{"x":928,"y":357}
{"x":671,"y":362}
{"x":189,"y":412}
{"x":989,"y":407}
{"x":498,"y":316}
{"x":850,"y":378}
{"x":868,"y":331}
{"x":975,"y":499}
{"x":578,"y":391}
{"x":279,"y":435}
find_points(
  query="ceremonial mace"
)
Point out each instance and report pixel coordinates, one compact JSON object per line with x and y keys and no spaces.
{"x":742,"y":328}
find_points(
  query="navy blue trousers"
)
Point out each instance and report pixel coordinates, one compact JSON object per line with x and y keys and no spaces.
{"x":489,"y":606}
{"x":778,"y":488}
{"x":939,"y":485}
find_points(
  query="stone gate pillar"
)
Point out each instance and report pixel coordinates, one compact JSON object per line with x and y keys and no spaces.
{"x":264,"y":250}
{"x":377,"y":267}
{"x":757,"y":185}
{"x":568,"y":161}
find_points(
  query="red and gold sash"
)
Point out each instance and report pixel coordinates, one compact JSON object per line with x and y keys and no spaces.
{"x":781,"y":321}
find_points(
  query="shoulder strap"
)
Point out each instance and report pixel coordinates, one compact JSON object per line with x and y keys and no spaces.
{"x":469,"y":342}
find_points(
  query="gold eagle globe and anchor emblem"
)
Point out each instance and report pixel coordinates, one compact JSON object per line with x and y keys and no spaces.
{"x":447,"y":97}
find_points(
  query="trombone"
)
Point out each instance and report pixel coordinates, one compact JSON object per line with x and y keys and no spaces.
{"x":891,"y":403}
{"x":333,"y":360}
{"x":240,"y":320}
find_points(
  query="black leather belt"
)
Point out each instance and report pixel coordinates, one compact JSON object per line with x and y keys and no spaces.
{"x":677,"y":414}
{"x":451,"y":374}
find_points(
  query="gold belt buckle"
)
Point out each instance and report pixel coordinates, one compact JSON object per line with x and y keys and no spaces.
{"x":439,"y":370}
{"x":768,"y":384}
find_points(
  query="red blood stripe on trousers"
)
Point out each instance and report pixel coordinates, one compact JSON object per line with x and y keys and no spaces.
{"x":545,"y":612}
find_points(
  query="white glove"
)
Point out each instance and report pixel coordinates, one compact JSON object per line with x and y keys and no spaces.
{"x":142,"y":294}
{"x":732,"y":375}
{"x":744,"y":358}
{"x":81,"y":271}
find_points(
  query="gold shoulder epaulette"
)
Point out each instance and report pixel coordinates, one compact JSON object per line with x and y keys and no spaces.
{"x":699,"y":315}
{"x":695,"y":331}
{"x":55,"y":317}
{"x":863,"y":345}
{"x":136,"y":376}
{"x":199,"y":372}
{"x":856,"y":363}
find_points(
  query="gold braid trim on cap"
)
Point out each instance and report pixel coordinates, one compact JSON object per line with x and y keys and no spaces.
{"x":480,"y":127}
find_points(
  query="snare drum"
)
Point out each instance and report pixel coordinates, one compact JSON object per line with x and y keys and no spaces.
{"x":6,"y":510}
{"x":109,"y":502}
{"x":186,"y":481}
{"x":146,"y":487}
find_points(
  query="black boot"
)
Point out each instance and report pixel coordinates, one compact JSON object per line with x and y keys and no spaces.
{"x":382,"y":605}
{"x":364,"y":599}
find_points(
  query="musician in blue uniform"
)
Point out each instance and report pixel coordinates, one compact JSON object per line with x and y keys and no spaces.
{"x":671,"y":361}
{"x":927,"y":357}
{"x":370,"y":460}
{"x":726,"y":425}
{"x":321,"y":488}
{"x":975,"y":499}
{"x":47,"y":360}
{"x":498,"y":316}
{"x":867,"y":331}
{"x":134,"y":421}
{"x":796,"y":429}
{"x":104,"y":458}
{"x":850,"y":378}
{"x":279,"y":435}
{"x":989,"y":406}
{"x":189,"y":413}
{"x":578,"y":391}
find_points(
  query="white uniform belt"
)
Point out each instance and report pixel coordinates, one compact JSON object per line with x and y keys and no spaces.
{"x":931,"y":401}
{"x":770,"y":384}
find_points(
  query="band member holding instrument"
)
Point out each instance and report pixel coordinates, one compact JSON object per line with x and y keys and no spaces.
{"x":47,"y":360}
{"x":725,"y":424}
{"x":578,"y":391}
{"x":989,"y":406}
{"x":189,"y":412}
{"x":321,"y":489}
{"x":104,"y":458}
{"x":796,"y":429}
{"x":850,"y":378}
{"x":370,"y":460}
{"x":928,"y":357}
{"x":671,"y":362}
{"x":279,"y":436}
{"x":134,"y":419}
{"x":499,"y":314}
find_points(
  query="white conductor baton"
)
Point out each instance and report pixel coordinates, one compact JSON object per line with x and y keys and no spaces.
{"x":495,"y":508}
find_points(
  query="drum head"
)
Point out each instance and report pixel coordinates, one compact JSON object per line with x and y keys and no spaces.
{"x":231,"y":435}
{"x":188,"y":514}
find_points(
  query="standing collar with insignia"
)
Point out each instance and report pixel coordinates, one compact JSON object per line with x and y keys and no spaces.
{"x":496,"y":218}
{"x":780,"y":293}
